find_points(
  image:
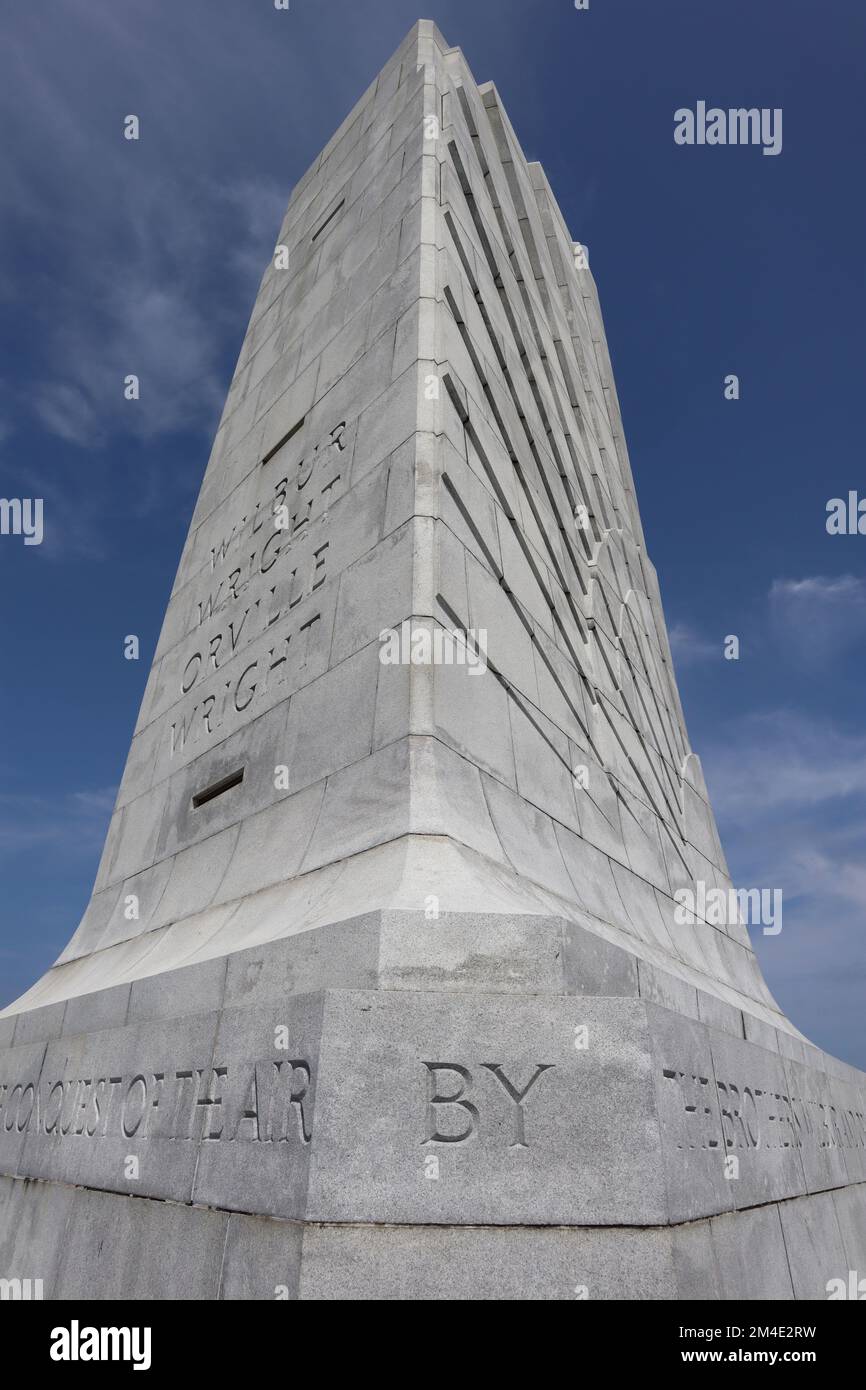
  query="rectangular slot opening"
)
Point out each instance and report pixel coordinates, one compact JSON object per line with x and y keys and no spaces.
{"x":225,"y":784}
{"x":285,"y":439}
{"x":330,"y":217}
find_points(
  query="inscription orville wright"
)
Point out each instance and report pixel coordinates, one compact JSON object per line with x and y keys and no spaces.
{"x":262,"y":570}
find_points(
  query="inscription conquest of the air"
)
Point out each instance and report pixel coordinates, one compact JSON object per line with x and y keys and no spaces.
{"x":264,"y":1102}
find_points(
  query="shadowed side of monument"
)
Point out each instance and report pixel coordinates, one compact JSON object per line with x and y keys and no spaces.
{"x":383,"y":989}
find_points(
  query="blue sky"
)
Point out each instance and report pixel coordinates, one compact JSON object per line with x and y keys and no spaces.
{"x":144,"y":257}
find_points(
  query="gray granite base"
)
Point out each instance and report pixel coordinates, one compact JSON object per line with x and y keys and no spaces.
{"x":98,"y":1245}
{"x":379,"y":1108}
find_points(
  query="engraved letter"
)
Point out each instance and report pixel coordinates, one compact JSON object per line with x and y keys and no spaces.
{"x":519,"y":1140}
{"x":433,"y":1099}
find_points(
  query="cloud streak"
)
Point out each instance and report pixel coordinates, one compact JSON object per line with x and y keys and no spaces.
{"x":689,"y":648}
{"x":789,"y":792}
{"x":819,"y":618}
{"x":74,"y":827}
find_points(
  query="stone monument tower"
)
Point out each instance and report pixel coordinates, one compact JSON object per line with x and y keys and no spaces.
{"x":384,"y":989}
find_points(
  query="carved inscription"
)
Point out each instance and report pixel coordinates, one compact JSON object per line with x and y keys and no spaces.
{"x":208,"y":714}
{"x":757,"y":1118}
{"x":448,"y":1087}
{"x":258,"y":577}
{"x":255,"y":1102}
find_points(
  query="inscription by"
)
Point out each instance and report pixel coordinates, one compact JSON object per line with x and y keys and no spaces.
{"x":444,"y":1094}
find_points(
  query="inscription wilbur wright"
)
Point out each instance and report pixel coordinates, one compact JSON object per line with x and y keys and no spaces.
{"x":254,"y":586}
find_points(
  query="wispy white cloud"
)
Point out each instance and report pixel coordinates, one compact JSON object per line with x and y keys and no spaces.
{"x":789,"y":792}
{"x":65,"y":410}
{"x":135,"y":280}
{"x":784,"y":760}
{"x":691,"y":648}
{"x":818,"y":618}
{"x":260,"y":207}
{"x":74,"y":826}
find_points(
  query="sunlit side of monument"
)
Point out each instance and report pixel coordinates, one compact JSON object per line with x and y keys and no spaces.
{"x":383,"y":990}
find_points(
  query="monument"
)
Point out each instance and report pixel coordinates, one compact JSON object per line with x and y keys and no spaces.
{"x":384,"y":988}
